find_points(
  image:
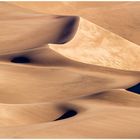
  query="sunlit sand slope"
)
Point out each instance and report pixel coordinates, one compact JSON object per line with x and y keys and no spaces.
{"x":95,"y":45}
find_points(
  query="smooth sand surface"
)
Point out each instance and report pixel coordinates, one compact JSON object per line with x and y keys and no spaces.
{"x":56,"y":66}
{"x":121,"y":18}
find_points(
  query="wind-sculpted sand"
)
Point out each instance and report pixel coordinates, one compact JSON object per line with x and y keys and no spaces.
{"x":63,"y":76}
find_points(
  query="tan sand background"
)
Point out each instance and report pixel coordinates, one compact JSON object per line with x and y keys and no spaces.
{"x":82,"y":57}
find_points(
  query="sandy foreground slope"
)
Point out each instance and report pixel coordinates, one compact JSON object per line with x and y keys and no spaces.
{"x":54,"y":64}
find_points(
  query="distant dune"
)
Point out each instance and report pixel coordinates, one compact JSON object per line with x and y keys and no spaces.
{"x":64,"y":73}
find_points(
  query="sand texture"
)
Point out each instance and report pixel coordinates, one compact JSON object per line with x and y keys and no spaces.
{"x":65,"y":68}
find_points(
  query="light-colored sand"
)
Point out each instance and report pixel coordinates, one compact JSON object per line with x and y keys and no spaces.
{"x":74,"y":64}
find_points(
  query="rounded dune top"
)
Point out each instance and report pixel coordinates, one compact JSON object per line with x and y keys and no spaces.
{"x":33,"y":30}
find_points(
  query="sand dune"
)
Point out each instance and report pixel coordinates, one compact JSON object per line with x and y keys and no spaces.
{"x":65,"y":76}
{"x":14,"y":115}
{"x":103,"y":48}
{"x":103,"y":114}
{"x":53,"y":67}
{"x":121,"y":18}
{"x":14,"y":32}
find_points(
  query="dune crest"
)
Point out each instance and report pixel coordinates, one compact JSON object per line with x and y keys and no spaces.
{"x":95,"y":45}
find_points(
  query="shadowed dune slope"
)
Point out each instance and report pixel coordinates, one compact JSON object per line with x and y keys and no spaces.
{"x":30,"y":31}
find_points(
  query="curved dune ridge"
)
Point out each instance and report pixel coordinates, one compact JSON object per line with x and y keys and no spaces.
{"x":63,"y":76}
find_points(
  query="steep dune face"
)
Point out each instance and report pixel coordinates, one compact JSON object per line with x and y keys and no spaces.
{"x":65,"y":72}
{"x":103,"y":48}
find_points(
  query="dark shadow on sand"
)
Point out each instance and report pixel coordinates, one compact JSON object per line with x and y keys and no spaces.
{"x":67,"y":114}
{"x":20,"y":59}
{"x":135,"y":88}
